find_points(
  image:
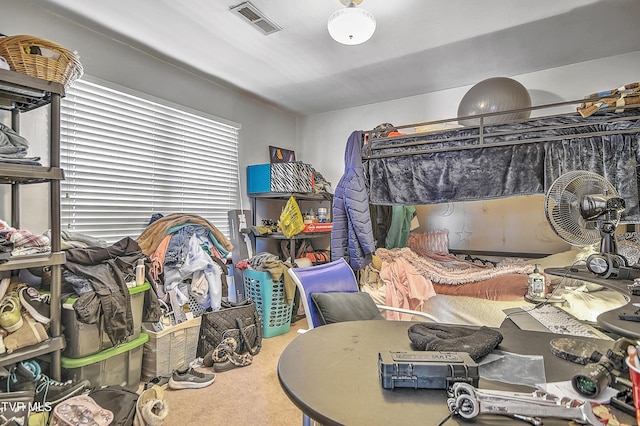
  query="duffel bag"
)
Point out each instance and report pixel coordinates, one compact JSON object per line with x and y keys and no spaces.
{"x":237,"y":320}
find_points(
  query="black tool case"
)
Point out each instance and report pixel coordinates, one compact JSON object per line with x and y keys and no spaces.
{"x":426,"y":369}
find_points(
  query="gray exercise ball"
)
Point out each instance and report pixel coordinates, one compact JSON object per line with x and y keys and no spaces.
{"x":494,"y":95}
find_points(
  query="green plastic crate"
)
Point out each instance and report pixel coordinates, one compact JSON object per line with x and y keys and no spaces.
{"x":270,"y":301}
{"x":88,"y":339}
{"x":118,"y":365}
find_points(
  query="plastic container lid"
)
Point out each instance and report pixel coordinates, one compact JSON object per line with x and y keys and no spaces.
{"x":107,"y":353}
{"x":132,"y":290}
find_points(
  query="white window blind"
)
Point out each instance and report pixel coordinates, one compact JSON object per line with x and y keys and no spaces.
{"x":126,"y":158}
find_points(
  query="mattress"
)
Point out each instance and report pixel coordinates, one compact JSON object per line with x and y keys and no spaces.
{"x":466,"y":310}
{"x":456,"y":292}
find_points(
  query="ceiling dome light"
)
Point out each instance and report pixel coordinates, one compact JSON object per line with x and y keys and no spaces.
{"x":351,"y":25}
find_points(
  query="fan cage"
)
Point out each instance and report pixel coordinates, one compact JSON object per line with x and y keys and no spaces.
{"x":562,"y":206}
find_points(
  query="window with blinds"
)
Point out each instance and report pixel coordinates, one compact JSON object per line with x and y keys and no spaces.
{"x":126,"y":158}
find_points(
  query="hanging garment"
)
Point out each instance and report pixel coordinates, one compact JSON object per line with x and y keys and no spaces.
{"x":352,"y":233}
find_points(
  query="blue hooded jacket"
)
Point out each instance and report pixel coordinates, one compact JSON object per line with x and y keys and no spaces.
{"x":352,"y":233}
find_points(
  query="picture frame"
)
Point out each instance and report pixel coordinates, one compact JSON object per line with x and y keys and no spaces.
{"x":281,"y":155}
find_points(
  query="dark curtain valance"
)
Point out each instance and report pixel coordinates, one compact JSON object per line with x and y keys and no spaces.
{"x":506,"y":160}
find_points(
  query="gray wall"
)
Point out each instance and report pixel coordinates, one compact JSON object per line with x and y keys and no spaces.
{"x":102,"y":57}
{"x":500,"y":225}
{"x":514,"y":224}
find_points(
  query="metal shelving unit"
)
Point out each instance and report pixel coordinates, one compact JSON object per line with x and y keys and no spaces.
{"x":283,"y":196}
{"x":20,"y":93}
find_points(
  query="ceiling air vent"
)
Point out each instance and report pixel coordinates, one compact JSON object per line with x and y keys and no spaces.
{"x":251,"y":13}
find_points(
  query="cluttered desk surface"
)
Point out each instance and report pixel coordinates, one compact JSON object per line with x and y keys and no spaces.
{"x":332,"y":374}
{"x":611,"y":320}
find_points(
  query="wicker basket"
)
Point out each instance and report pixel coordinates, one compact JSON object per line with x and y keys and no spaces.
{"x":40,"y":58}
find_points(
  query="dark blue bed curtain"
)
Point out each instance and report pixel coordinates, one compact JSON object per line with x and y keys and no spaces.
{"x":433,"y":169}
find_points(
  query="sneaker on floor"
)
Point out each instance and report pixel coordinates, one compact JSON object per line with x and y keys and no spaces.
{"x":10,"y":318}
{"x":223,"y":366}
{"x":161,"y":381}
{"x":151,"y":408}
{"x":36,"y":303}
{"x":190,"y":379}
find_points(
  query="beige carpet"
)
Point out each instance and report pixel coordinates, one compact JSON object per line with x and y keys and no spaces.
{"x":249,"y":395}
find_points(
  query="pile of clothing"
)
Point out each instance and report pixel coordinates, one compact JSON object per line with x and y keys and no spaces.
{"x":21,"y":241}
{"x":14,"y":148}
{"x":99,"y":277}
{"x":188,"y":257}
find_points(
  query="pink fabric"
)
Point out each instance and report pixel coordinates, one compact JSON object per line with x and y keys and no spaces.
{"x":453,"y":273}
{"x":157,"y":258}
{"x":451,"y":260}
{"x":406,"y":287}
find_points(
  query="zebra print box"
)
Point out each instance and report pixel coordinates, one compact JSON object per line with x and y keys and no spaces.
{"x":291,"y":177}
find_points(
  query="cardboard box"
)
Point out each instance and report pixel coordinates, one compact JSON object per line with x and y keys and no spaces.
{"x":280,"y":177}
{"x":318,"y":227}
{"x":291,"y":177}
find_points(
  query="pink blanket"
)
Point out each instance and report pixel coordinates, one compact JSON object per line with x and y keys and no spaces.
{"x":447,"y":269}
{"x":406,"y":287}
{"x":409,"y":277}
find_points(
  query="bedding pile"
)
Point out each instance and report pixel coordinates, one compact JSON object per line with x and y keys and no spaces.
{"x":408,"y":279}
{"x":449,"y":269}
{"x":458,"y":291}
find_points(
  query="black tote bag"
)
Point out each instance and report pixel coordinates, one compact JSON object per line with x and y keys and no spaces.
{"x":238,"y":320}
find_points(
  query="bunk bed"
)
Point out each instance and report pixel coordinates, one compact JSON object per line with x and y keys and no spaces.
{"x":405,"y":166}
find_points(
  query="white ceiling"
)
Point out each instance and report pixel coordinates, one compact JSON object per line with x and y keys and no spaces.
{"x":419,"y":46}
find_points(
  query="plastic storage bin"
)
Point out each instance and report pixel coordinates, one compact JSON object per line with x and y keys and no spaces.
{"x":280,"y":177}
{"x":88,"y":339}
{"x":270,"y":301}
{"x":259,"y":178}
{"x":173,"y":348}
{"x":119,"y":365}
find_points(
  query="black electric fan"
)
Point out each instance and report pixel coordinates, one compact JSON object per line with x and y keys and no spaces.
{"x":583,"y":208}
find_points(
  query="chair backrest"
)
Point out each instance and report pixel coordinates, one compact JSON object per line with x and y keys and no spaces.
{"x":324,"y":278}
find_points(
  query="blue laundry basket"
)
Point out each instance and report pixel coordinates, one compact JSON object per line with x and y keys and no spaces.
{"x":270,"y":300}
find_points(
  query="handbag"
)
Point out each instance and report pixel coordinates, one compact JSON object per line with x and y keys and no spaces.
{"x":119,"y":400}
{"x":238,"y":320}
{"x":80,"y":410}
